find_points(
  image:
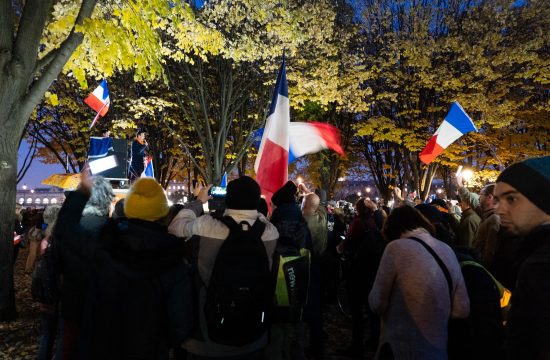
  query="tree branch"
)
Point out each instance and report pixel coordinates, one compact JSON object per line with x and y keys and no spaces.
{"x":56,"y":65}
{"x":27,"y":162}
{"x":45,"y":61}
{"x":29,"y":32}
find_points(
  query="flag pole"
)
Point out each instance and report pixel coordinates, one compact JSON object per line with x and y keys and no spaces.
{"x":97,"y":115}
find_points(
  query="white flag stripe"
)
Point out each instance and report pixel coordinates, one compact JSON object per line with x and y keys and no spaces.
{"x":447,"y":134}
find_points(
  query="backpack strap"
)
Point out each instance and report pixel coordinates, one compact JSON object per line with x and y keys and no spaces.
{"x":441,"y":265}
{"x":255,"y":230}
{"x":503,"y":292}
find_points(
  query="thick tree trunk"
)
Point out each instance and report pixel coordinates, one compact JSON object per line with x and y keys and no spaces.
{"x":21,"y":89}
{"x":8,"y":173}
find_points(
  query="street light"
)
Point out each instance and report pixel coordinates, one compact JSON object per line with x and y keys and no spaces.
{"x":359,"y":193}
{"x":368,"y":189}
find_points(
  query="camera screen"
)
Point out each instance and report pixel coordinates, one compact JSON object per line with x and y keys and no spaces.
{"x":218,"y":191}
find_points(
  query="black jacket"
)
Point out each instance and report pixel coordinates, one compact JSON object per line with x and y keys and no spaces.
{"x":529,"y":317}
{"x":140,"y":300}
{"x":77,"y":240}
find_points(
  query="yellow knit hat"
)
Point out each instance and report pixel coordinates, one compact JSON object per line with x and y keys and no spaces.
{"x":146,"y":200}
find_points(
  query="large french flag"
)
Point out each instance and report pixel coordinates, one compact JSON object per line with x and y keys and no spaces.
{"x":99,"y":101}
{"x":272,"y":161}
{"x":311,"y":137}
{"x":455,"y":124}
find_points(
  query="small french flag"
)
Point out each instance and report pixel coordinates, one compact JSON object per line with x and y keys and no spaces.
{"x":455,"y":124}
{"x":99,"y":101}
{"x":149,"y":171}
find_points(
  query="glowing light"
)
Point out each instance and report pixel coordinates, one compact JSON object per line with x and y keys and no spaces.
{"x":467,"y":175}
{"x":368,"y":189}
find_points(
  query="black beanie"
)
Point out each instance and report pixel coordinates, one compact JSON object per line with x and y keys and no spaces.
{"x":532,"y":179}
{"x":243,"y":194}
{"x":430,"y":212}
{"x":286,"y":194}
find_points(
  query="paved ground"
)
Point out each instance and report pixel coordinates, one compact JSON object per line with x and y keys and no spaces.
{"x":19,"y":339}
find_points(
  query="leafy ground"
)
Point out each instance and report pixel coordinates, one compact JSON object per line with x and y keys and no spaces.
{"x":19,"y":339}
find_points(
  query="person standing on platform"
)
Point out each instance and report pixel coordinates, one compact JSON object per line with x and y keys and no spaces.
{"x":140,"y":149}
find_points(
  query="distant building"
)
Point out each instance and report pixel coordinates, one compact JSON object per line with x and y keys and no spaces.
{"x":40,"y":197}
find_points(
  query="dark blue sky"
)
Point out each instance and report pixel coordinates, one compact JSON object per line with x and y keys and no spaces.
{"x":38,"y":171}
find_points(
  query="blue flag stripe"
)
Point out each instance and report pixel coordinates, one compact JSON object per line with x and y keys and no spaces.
{"x":281,"y":88}
{"x":458,"y":118}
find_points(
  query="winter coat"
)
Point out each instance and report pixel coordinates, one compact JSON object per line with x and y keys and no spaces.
{"x":77,"y":240}
{"x":468,"y":228}
{"x":411,"y":295}
{"x":364,"y":246}
{"x":212,"y":233}
{"x":292,"y":227}
{"x":140,"y":299}
{"x":485,"y":241}
{"x":317,"y":225}
{"x":529,"y":317}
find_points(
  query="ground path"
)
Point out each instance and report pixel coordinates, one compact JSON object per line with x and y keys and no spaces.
{"x":19,"y":339}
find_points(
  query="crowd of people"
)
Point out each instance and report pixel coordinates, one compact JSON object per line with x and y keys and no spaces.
{"x":425,"y":280}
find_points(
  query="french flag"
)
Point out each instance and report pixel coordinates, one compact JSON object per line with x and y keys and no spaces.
{"x":99,"y":101}
{"x":271,"y":164}
{"x":148,"y":171}
{"x":455,"y":124}
{"x":311,"y":137}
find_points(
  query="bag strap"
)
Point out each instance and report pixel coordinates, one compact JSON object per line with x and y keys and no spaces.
{"x":254,"y":230}
{"x":441,"y":265}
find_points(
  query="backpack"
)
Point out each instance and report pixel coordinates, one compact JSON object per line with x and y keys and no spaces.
{"x":240,"y":294}
{"x":291,"y":290}
{"x":504,"y":293}
{"x":481,"y":335}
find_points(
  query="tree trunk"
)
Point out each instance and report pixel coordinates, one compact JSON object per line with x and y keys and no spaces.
{"x":8,"y":172}
{"x":21,"y":89}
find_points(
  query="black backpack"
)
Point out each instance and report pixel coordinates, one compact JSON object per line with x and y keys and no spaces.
{"x":240,"y":294}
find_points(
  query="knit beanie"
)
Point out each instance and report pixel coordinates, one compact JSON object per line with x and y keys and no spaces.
{"x":146,"y":200}
{"x":285,"y":195}
{"x":243,"y":194}
{"x":430,"y":212}
{"x":532,"y":179}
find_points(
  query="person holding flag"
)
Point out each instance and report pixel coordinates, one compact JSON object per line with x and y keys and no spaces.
{"x":139,"y":154}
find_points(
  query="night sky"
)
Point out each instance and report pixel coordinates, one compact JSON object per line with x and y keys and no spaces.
{"x":38,"y":171}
